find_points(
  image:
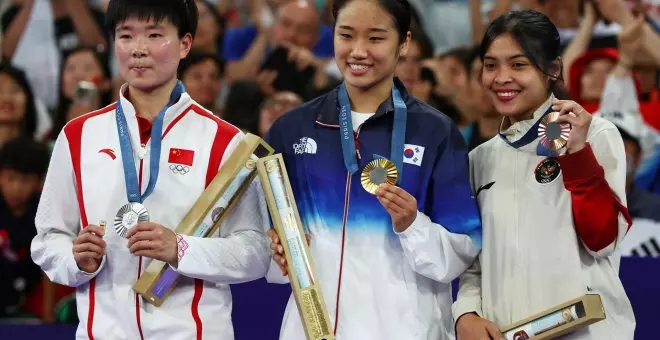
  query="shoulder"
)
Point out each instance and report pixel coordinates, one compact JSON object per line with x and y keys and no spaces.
{"x":223,"y":125}
{"x":602,"y":128}
{"x":75,"y":126}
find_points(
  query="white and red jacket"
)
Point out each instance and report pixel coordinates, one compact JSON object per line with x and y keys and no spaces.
{"x":547,"y":242}
{"x":85,"y":184}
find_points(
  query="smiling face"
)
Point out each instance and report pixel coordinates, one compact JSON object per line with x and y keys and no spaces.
{"x":149,"y":52}
{"x":80,"y":66}
{"x":367,"y":45}
{"x":515,"y":86}
{"x":202,"y":82}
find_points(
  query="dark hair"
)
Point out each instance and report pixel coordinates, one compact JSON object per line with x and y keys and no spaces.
{"x":25,"y":155}
{"x":538,"y":38}
{"x":64,"y":103}
{"x":399,"y":10}
{"x":243,"y":106}
{"x":181,"y":13}
{"x":464,"y":54}
{"x":196,"y":57}
{"x":29,"y":123}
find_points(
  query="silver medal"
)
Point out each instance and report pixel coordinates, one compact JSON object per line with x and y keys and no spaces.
{"x":129,"y":216}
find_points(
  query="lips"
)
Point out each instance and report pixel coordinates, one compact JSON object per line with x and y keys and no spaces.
{"x":6,"y":107}
{"x":506,"y":95}
{"x":358,"y":69}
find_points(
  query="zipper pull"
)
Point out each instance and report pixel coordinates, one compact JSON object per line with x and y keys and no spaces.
{"x":142,"y":151}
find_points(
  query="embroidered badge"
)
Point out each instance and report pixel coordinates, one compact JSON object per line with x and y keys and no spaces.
{"x":547,"y":170}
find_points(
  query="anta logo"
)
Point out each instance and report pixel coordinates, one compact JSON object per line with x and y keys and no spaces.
{"x":108,"y":152}
{"x":306,"y":145}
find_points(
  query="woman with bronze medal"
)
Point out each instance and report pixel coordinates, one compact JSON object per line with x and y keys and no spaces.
{"x":381,"y":184}
{"x":551,"y":190}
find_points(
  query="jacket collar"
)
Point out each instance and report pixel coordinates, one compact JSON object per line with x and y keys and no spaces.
{"x":329,"y":113}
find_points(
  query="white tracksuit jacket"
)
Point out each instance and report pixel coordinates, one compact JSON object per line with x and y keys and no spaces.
{"x":85,"y":184}
{"x":532,"y":258}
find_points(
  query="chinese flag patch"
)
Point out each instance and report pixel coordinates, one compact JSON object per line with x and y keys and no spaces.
{"x":181,"y":156}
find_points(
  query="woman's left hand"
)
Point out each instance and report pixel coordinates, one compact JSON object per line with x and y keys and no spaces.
{"x":572,"y":113}
{"x":401,"y":205}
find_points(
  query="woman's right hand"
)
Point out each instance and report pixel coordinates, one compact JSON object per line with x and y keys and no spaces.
{"x":471,"y":327}
{"x":278,"y":249}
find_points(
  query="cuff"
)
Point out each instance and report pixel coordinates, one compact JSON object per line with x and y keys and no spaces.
{"x":81,"y":275}
{"x":182,"y":247}
{"x":580,"y":167}
{"x":416,"y":225}
{"x":465,"y":306}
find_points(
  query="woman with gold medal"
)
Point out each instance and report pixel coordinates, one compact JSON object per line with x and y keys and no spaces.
{"x":381,"y":184}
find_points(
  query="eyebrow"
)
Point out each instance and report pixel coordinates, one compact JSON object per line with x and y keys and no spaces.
{"x":128,"y":27}
{"x":507,"y":58}
{"x":372,"y":29}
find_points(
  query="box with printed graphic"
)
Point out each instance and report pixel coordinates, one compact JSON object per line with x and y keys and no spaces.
{"x":559,"y":320}
{"x":208,"y":212}
{"x":286,"y":221}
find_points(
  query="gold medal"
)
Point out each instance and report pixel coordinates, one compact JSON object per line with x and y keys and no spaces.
{"x":554,"y":136}
{"x":377,"y":172}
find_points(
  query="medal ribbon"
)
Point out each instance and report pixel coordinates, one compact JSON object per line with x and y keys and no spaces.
{"x":347,"y":137}
{"x":531,"y":136}
{"x":130,"y":174}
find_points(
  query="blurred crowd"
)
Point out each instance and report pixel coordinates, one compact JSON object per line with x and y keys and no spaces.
{"x":254,"y":60}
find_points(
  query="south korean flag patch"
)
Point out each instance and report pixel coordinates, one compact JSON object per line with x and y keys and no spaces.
{"x":413,"y":154}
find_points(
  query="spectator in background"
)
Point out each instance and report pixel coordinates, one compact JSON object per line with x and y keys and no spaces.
{"x":210,"y":29}
{"x":76,"y":23}
{"x":201,"y":73}
{"x":38,"y":33}
{"x":296,"y":27}
{"x":409,"y":68}
{"x":453,"y":74}
{"x":18,"y":114}
{"x":243,"y":104}
{"x":276,"y":106}
{"x":82,"y":64}
{"x":473,"y":97}
{"x":23,"y":165}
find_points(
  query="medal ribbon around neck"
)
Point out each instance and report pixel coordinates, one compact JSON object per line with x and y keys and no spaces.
{"x":348,"y":139}
{"x":545,"y":147}
{"x":130,"y":174}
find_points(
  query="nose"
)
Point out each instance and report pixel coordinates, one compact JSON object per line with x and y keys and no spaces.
{"x":139,"y":48}
{"x":359,"y":50}
{"x":503,"y":75}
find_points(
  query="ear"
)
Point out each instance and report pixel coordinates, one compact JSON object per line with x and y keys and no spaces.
{"x":405,"y":45}
{"x":556,"y":69}
{"x":185,"y":45}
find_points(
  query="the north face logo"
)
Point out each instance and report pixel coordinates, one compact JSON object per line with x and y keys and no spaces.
{"x":307,"y":145}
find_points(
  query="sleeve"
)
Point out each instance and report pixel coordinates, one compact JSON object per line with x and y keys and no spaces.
{"x":58,"y":221}
{"x":242,"y":252}
{"x":468,"y":299}
{"x":596,"y":179}
{"x":236,"y":43}
{"x":441,"y":243}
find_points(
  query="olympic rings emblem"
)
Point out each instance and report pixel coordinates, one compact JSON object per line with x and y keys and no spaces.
{"x":179,"y":169}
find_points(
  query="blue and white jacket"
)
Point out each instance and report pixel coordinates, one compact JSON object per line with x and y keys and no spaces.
{"x":379,"y":284}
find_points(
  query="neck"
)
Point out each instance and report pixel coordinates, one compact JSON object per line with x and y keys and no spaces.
{"x":8,"y":132}
{"x":489,"y":126}
{"x":527,"y":114}
{"x":149,"y":103}
{"x":367,"y":100}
